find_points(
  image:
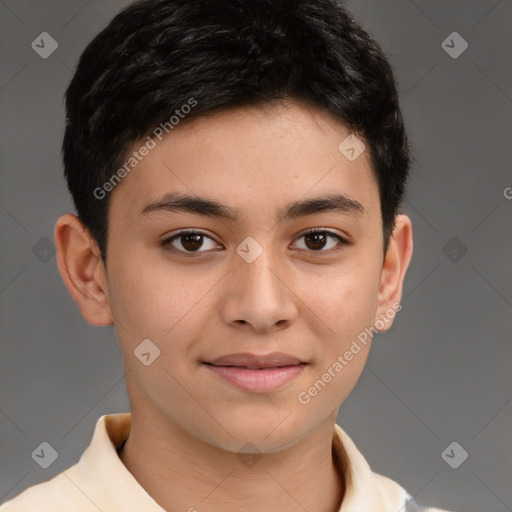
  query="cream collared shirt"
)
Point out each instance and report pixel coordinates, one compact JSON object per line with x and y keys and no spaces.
{"x":100,"y":481}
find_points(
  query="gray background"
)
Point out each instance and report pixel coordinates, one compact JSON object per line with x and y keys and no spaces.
{"x":441,"y":374}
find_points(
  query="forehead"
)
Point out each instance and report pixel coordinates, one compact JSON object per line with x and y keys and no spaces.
{"x":249,"y":157}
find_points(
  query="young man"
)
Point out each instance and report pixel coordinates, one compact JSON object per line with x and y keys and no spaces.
{"x":237,"y":170}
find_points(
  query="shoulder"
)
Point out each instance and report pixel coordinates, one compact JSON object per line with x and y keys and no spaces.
{"x":391,"y":489}
{"x":366,"y":489}
{"x":59,"y":494}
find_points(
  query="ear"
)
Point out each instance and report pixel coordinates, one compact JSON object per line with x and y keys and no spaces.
{"x":82,"y":270}
{"x":396,"y":261}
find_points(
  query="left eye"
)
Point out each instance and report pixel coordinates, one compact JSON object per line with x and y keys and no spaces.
{"x":317,"y":239}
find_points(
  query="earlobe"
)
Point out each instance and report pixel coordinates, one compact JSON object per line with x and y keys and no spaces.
{"x":82,"y":269}
{"x":396,"y":262}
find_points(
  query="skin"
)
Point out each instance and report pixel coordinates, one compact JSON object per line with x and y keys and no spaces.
{"x":189,"y":425}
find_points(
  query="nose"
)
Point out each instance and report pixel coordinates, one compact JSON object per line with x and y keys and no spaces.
{"x":259,"y":295}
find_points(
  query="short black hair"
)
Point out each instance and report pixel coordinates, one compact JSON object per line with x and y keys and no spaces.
{"x":156,"y":56}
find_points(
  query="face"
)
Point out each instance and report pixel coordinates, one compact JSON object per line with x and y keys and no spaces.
{"x":259,"y":316}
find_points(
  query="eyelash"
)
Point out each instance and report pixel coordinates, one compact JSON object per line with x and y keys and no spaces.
{"x":166,"y":243}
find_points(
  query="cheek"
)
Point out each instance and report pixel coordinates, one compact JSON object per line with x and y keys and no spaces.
{"x":344,"y":301}
{"x":160,"y":304}
{"x":345,"y":305}
{"x":152,"y":303}
{"x":149,"y":301}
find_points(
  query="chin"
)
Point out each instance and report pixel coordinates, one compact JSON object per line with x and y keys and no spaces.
{"x":268,"y":433}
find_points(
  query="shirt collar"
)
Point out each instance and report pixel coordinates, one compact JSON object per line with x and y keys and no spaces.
{"x":105,"y":478}
{"x":102,"y":475}
{"x":365,"y":490}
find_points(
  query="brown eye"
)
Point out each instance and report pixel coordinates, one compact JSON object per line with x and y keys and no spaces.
{"x":189,"y":242}
{"x":317,"y":240}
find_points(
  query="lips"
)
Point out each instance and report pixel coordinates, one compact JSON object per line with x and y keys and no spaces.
{"x":257,"y":373}
{"x":252,"y":361}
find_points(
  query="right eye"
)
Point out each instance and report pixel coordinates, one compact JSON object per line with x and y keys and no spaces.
{"x":187,"y":242}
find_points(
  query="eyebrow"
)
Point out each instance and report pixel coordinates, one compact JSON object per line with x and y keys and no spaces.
{"x":176,"y":202}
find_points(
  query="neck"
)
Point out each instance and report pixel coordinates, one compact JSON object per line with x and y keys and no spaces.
{"x":182,"y":472}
